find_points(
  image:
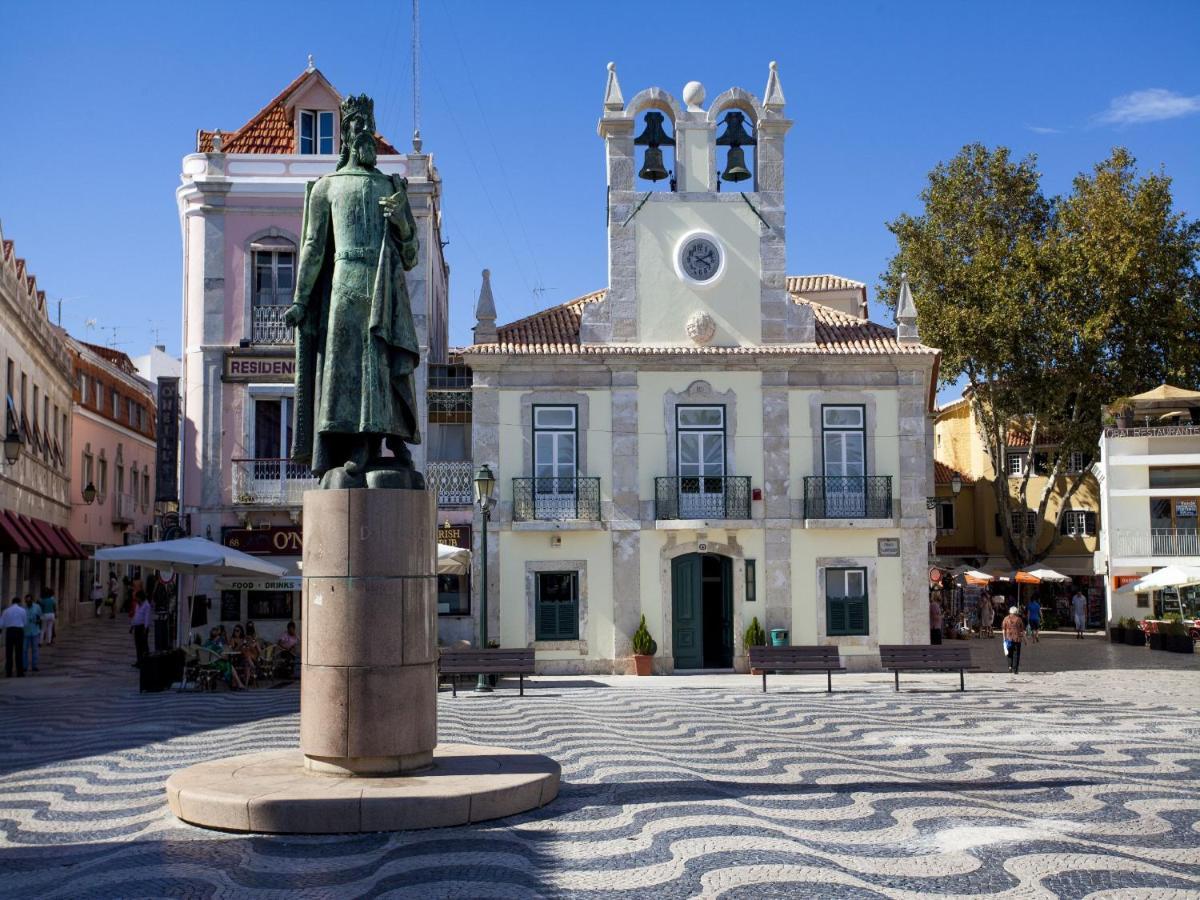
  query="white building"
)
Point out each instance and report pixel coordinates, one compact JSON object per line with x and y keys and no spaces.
{"x":1149,"y":473}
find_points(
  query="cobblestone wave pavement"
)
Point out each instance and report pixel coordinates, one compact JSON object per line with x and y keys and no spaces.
{"x":1067,"y":783}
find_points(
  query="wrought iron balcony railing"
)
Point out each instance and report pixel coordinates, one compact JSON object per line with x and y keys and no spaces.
{"x":556,"y":499}
{"x":270,"y":482}
{"x":452,"y":480}
{"x":702,"y":497}
{"x":1156,"y":542}
{"x":848,"y":497}
{"x":124,"y":509}
{"x":267,"y":325}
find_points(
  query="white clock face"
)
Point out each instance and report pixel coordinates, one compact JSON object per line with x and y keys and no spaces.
{"x":700,"y":258}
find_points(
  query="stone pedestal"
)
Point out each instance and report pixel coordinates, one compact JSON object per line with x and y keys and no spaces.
{"x":368,"y":759}
{"x":368,"y":696}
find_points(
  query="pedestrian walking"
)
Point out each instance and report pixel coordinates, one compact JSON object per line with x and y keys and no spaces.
{"x":1013,"y":631}
{"x":1035,"y":618}
{"x":111,"y":601}
{"x":33,"y":633}
{"x":987,"y":614}
{"x":97,"y":596}
{"x":140,"y":627}
{"x":1079,"y":611}
{"x":49,"y":604}
{"x":12,"y":620}
{"x":935,"y":621}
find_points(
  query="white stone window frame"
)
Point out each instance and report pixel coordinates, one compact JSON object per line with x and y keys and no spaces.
{"x":817,"y":403}
{"x":871,"y":638}
{"x":316,"y":115}
{"x":254,"y":393}
{"x":699,"y":393}
{"x":582,"y":423}
{"x":681,"y":245}
{"x":1014,"y":463}
{"x":253,"y":244}
{"x":1077,"y":526}
{"x":532,"y":568}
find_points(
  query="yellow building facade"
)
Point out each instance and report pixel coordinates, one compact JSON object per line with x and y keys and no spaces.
{"x":706,"y":441}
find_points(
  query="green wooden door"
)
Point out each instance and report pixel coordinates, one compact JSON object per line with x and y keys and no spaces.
{"x":687,"y":635}
{"x":726,"y":612}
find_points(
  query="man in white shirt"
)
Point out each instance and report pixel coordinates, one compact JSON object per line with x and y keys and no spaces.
{"x":1079,"y":611}
{"x":12,"y":620}
{"x":140,"y":627}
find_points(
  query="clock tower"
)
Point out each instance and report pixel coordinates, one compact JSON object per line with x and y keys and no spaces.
{"x":696,"y":252}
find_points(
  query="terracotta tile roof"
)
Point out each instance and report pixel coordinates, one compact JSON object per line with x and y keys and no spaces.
{"x":815,"y":284}
{"x":272,"y":129}
{"x":118,"y":358}
{"x":556,"y":330}
{"x":942,"y":474}
{"x":1017,"y":438}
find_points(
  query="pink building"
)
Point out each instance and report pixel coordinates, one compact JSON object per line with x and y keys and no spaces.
{"x":113,"y":434}
{"x":240,"y":204}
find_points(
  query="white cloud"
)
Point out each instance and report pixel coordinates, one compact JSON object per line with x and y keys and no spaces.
{"x":1151,"y":105}
{"x":1043,"y":129}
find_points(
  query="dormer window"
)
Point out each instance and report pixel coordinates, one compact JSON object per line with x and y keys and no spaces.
{"x":316,"y":132}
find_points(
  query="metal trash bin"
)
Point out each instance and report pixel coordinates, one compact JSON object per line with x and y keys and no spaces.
{"x":779,"y":637}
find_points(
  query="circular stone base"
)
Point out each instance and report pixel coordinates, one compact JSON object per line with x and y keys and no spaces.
{"x":274,"y":793}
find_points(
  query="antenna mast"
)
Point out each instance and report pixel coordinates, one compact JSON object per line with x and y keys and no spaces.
{"x":416,"y":64}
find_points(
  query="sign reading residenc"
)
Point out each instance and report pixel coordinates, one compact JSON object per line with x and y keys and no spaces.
{"x":250,"y":366}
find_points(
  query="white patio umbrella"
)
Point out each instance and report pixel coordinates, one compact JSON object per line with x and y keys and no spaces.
{"x":1043,"y":575}
{"x":199,"y":555}
{"x":1170,"y":576}
{"x":453,"y":560}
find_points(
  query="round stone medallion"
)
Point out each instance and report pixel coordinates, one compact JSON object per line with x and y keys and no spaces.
{"x":701,"y":328}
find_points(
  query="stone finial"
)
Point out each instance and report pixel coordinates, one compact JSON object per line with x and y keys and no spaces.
{"x":311,"y":65}
{"x":217,"y":140}
{"x":613,"y":100}
{"x":417,"y":144}
{"x":773,"y":95}
{"x":693,"y":96}
{"x":485,"y":312}
{"x":906,"y":314}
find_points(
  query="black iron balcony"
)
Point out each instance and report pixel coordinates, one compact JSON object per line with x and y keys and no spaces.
{"x":267,"y":325}
{"x":556,"y":499}
{"x":848,"y":497}
{"x":702,"y":497}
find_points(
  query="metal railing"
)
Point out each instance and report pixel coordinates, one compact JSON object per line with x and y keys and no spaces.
{"x":848,"y":497}
{"x":124,"y":508}
{"x":267,"y":325}
{"x":270,"y":482}
{"x":556,"y":499}
{"x":702,"y":497}
{"x":452,"y":480}
{"x":1156,"y":542}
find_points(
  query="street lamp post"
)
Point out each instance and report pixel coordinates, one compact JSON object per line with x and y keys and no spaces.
{"x":485,"y":481}
{"x":12,"y":446}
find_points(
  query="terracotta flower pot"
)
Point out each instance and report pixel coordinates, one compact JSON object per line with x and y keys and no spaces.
{"x":643,"y":664}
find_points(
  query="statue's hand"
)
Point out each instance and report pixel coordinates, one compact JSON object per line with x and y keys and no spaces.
{"x":392,"y":203}
{"x":294,"y":315}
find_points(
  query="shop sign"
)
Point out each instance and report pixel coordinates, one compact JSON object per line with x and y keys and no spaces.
{"x":887,"y":547}
{"x":455,"y":535}
{"x":1119,"y":581}
{"x":246,"y":365}
{"x":166,"y":456}
{"x":284,"y":540}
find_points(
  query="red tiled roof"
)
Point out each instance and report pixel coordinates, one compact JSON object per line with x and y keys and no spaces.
{"x":1017,"y":438}
{"x":556,"y":330}
{"x":272,"y":129}
{"x":942,"y":474}
{"x":815,"y":284}
{"x":118,"y":358}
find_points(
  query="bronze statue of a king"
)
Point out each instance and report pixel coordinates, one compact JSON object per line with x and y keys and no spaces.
{"x":356,"y":346}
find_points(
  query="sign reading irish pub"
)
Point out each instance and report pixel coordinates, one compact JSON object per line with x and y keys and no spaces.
{"x":284,"y":540}
{"x":251,"y":365}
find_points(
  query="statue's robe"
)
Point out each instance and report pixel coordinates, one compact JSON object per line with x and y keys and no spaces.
{"x":357,"y":346}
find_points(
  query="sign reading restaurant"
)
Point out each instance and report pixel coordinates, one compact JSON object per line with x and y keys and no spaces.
{"x":254,"y":365}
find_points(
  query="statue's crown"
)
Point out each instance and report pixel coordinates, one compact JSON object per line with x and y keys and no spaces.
{"x":359,"y":105}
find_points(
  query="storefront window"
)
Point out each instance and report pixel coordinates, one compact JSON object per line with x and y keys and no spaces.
{"x":454,"y":595}
{"x":269,"y":605}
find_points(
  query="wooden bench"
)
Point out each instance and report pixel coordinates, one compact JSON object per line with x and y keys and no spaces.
{"x":797,"y":659}
{"x":494,"y":661}
{"x":922,"y":658}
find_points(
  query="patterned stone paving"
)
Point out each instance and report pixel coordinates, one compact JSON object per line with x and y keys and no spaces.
{"x":1068,"y":783}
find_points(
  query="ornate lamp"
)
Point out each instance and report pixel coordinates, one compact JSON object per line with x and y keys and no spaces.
{"x":89,"y":494}
{"x":485,"y":482}
{"x":12,"y":445}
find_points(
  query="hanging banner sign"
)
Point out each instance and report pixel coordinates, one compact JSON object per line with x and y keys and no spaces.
{"x":166,"y":461}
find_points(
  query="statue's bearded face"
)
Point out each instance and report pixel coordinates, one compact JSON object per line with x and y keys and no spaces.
{"x":356,"y":132}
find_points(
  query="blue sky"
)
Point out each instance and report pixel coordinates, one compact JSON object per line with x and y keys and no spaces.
{"x":103,"y":100}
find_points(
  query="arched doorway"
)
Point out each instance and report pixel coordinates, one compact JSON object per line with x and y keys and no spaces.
{"x":702,"y":611}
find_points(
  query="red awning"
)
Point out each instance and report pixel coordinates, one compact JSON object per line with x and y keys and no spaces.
{"x":12,"y":537}
{"x":72,"y":544}
{"x":36,"y":547}
{"x":50,"y":536}
{"x":42,"y":547}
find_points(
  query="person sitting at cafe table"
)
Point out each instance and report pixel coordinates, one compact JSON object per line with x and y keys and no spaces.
{"x":217,"y":647}
{"x":246,"y":651}
{"x":289,"y":644}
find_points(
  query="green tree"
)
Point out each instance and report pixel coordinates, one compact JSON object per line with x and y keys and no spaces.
{"x":1049,"y":308}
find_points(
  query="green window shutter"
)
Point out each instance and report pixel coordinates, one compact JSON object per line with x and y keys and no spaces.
{"x":856,"y":615}
{"x":547,"y":621}
{"x":568,"y":621}
{"x":835,"y":615}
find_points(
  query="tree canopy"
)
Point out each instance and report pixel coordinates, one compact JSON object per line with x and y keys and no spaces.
{"x":1049,"y":307}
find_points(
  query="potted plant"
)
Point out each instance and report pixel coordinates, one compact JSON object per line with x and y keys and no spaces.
{"x":754,"y":636}
{"x":644,"y":649}
{"x":1116,"y":632}
{"x":1134,"y":635}
{"x":1175,"y":637}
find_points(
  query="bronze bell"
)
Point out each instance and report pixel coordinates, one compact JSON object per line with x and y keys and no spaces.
{"x":735,"y":138}
{"x":652,"y":138}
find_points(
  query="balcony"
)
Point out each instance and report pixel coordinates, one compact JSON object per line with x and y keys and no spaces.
{"x":1161,"y":542}
{"x":267,"y":325}
{"x":124,"y":509}
{"x":848,"y":497}
{"x":556,"y":499}
{"x":270,"y":482}
{"x":702,"y":497}
{"x":452,"y":480}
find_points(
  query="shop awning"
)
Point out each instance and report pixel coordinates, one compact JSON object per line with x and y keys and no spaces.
{"x":69,"y":539}
{"x":50,"y":537}
{"x":1037,"y":576}
{"x":40,"y":546}
{"x":12,"y":537}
